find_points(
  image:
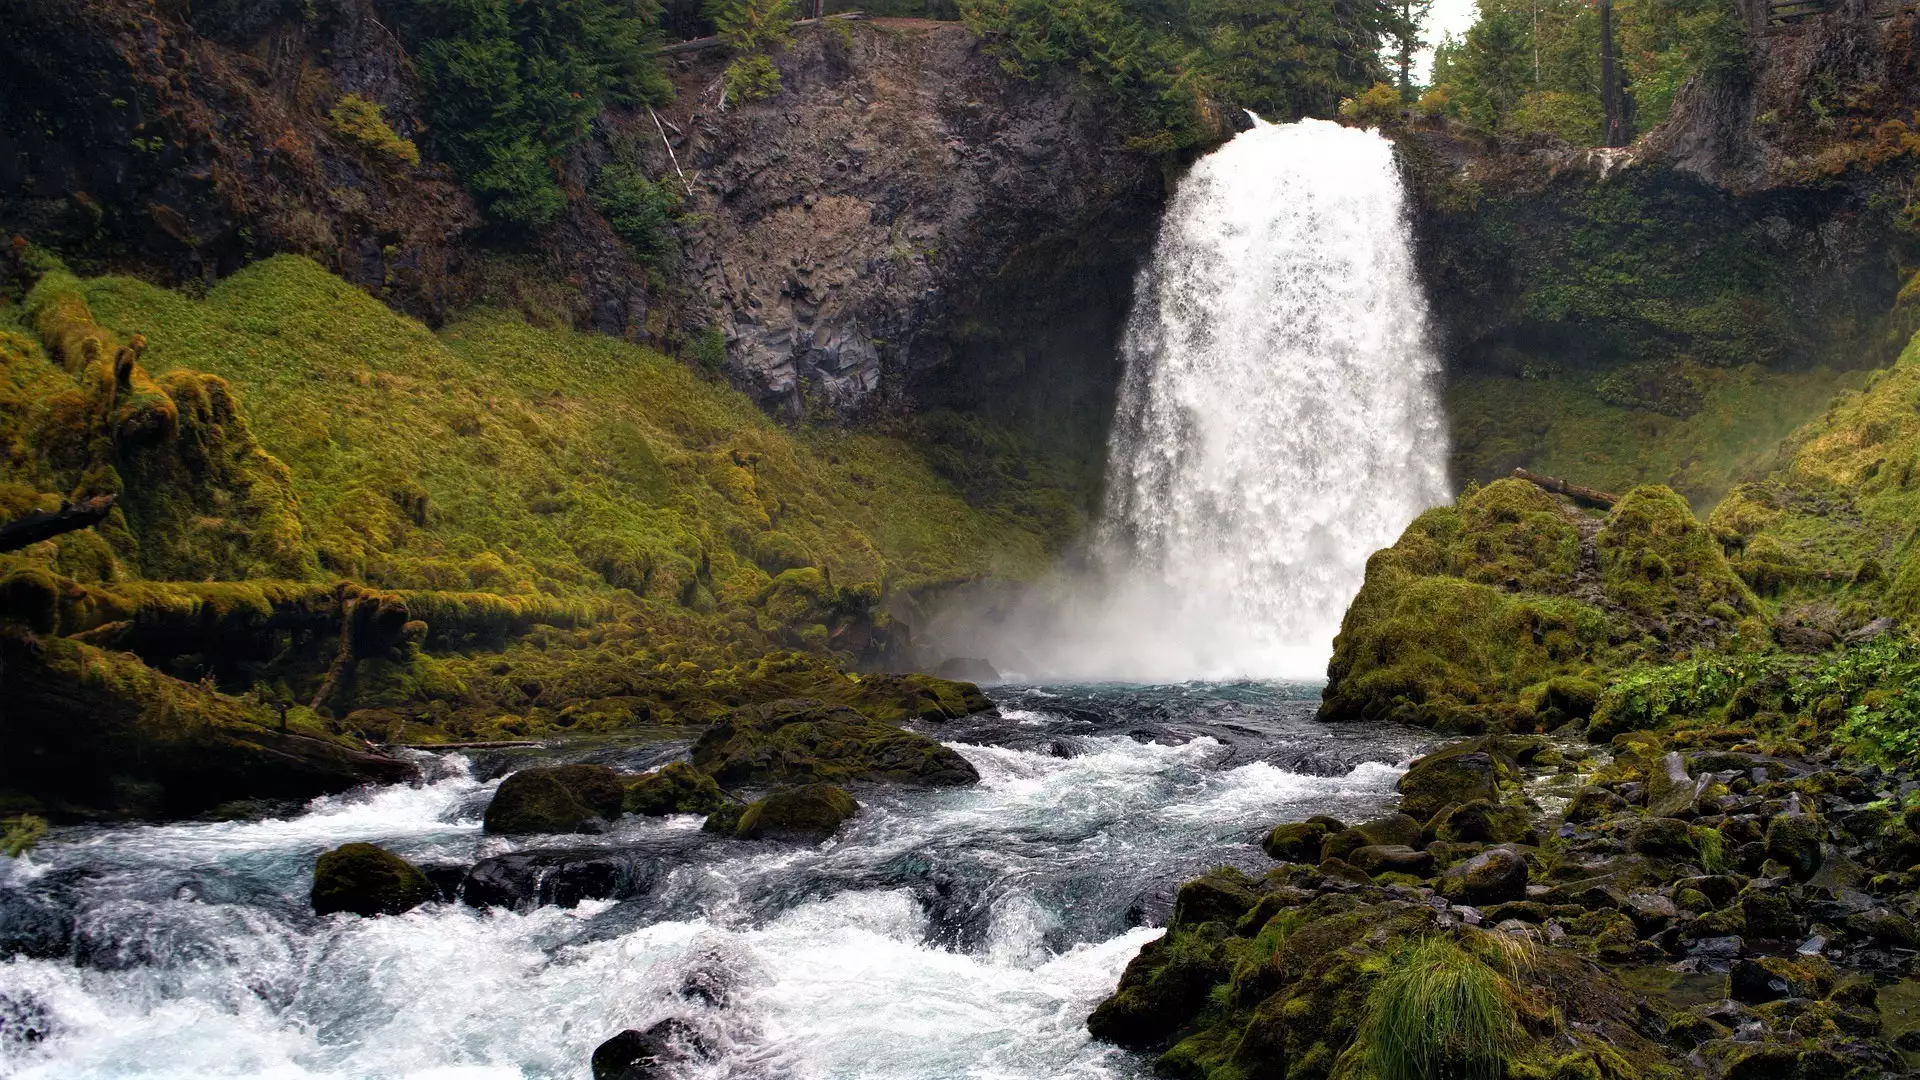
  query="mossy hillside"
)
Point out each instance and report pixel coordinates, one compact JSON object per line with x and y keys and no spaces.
{"x":1641,"y":327}
{"x":574,"y":461}
{"x":1568,"y":424}
{"x":1834,"y":520}
{"x":1501,"y":611}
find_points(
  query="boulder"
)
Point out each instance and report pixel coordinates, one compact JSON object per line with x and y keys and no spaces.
{"x":1594,"y":803}
{"x":1163,"y":988}
{"x":1793,"y":840}
{"x":1457,"y":774}
{"x":1483,"y":822}
{"x":1392,"y":829}
{"x":806,"y":814}
{"x":970,"y":669}
{"x":1671,"y":793}
{"x":1392,"y":859}
{"x":366,"y":879}
{"x":523,"y":880}
{"x":799,"y":741}
{"x":1223,"y":895}
{"x":1491,"y":877}
{"x":678,"y":788}
{"x":1299,"y":841}
{"x":649,"y":1054}
{"x":556,"y":799}
{"x":1768,"y":914}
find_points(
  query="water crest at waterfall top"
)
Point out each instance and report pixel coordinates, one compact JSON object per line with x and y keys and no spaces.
{"x":1278,"y":423}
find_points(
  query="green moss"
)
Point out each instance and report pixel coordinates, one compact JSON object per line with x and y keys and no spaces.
{"x":808,"y":814}
{"x":368,"y":880}
{"x":18,"y":834}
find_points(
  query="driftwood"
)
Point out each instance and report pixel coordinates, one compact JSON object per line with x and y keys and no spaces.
{"x":45,"y":525}
{"x":1584,"y":495}
{"x":697,"y":44}
{"x":496,"y":745}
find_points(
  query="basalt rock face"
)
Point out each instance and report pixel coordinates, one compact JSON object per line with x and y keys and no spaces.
{"x":906,"y":223}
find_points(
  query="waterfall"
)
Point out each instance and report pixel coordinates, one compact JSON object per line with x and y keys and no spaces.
{"x":1278,"y":422}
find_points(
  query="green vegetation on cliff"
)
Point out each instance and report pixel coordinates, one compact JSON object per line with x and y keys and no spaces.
{"x":360,"y":526}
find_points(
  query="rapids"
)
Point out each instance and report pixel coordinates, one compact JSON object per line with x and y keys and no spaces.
{"x":941,"y":934}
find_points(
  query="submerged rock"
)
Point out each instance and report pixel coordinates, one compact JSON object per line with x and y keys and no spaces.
{"x":366,"y":879}
{"x":556,"y":799}
{"x":527,"y":879}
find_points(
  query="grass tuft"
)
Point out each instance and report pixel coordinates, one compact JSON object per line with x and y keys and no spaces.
{"x":1438,"y":1014}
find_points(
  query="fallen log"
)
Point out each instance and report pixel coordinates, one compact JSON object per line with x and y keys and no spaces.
{"x":44,"y":525}
{"x":698,"y":44}
{"x":1586,"y":496}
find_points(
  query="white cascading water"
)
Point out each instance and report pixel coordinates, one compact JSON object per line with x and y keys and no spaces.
{"x":1278,"y":422}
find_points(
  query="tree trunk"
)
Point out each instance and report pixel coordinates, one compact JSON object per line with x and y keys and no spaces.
{"x":42,"y":525}
{"x":1600,"y":499}
{"x":1609,"y":81}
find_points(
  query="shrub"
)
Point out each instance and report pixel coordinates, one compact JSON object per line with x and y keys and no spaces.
{"x":753,"y":28}
{"x":1438,"y":1012}
{"x":639,"y":209}
{"x":751,"y":78}
{"x":363,"y":122}
{"x":1378,"y":106}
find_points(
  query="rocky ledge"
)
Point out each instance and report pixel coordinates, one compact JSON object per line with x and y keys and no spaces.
{"x":1642,"y":909}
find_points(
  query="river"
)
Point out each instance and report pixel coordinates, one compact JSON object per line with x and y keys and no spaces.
{"x":954,"y":933}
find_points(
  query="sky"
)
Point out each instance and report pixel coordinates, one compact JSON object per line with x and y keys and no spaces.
{"x":1448,"y":17}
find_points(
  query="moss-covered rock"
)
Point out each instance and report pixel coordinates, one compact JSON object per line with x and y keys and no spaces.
{"x":1300,"y":841}
{"x":1482,"y":821}
{"x":799,"y":740}
{"x":806,"y":814}
{"x":1224,"y":895}
{"x":367,"y":880}
{"x":1491,"y":877}
{"x":1477,"y":769}
{"x":556,"y":799}
{"x":676,"y":788}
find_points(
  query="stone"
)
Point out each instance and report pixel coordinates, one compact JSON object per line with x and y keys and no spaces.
{"x":556,"y":799}
{"x":649,"y":1054}
{"x":1224,"y":895}
{"x":1593,"y":803}
{"x":795,"y":740}
{"x":1484,"y":822}
{"x":1491,"y":877}
{"x":1793,"y":840}
{"x":1392,"y":859}
{"x":967,"y":669}
{"x":369,"y":880}
{"x":1883,"y":926}
{"x":1659,"y":837}
{"x":1296,"y":841}
{"x":1650,"y":912}
{"x":1392,"y":829}
{"x":805,"y":814}
{"x":523,"y":880}
{"x":1457,"y":774}
{"x":1768,"y":914}
{"x":677,"y":788}
{"x":1671,"y":793}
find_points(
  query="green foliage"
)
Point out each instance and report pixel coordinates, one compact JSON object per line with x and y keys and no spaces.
{"x":1164,"y":63}
{"x":640,"y":210}
{"x":511,"y":85}
{"x":19,"y":834}
{"x":1437,"y":1012}
{"x":364,"y":122}
{"x":1647,"y":698}
{"x":753,"y":29}
{"x":1379,"y":105}
{"x":1881,"y":684}
{"x":752,"y":78}
{"x":1535,"y":66}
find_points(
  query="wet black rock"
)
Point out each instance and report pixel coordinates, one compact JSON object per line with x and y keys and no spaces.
{"x":649,"y":1054}
{"x":556,"y":799}
{"x":366,"y":879}
{"x":528,"y":879}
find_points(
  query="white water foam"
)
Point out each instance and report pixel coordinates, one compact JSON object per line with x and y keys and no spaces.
{"x":1278,"y":423}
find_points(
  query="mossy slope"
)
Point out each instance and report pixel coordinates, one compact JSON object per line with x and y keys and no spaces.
{"x":493,"y":530}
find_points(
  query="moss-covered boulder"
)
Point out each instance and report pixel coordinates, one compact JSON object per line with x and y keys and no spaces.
{"x":807,"y":814}
{"x":1223,"y":895}
{"x":676,"y":788}
{"x":1393,"y":829}
{"x":1478,"y":769}
{"x":1482,"y":821}
{"x":799,"y":740}
{"x":1496,"y":613}
{"x":366,"y":879}
{"x":556,"y":799}
{"x":1491,"y":877}
{"x":1299,"y":841}
{"x":1164,"y":987}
